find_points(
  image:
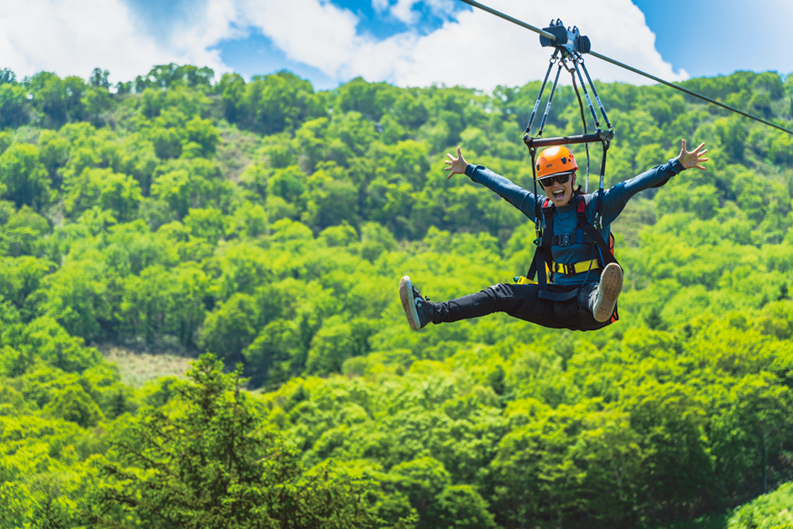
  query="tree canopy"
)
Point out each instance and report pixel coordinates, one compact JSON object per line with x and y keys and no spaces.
{"x":262,"y":226}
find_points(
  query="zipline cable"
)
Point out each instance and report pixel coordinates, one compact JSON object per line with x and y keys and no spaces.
{"x":522,"y":24}
{"x":687,"y":91}
{"x":510,"y":19}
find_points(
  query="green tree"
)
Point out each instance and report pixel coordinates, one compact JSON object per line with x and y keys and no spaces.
{"x":231,"y":88}
{"x":58,"y":100}
{"x":20,"y":277}
{"x":120,"y":194}
{"x":274,"y":356}
{"x":23,"y":233}
{"x":77,"y":297}
{"x":214,"y":465}
{"x":202,"y":133}
{"x":370,"y":99}
{"x":74,"y":404}
{"x":97,"y":101}
{"x":439,"y":503}
{"x":185,"y":184}
{"x":276,"y":102}
{"x":14,"y":107}
{"x":24,"y":177}
{"x":231,"y":327}
{"x":53,"y":154}
{"x":165,"y":76}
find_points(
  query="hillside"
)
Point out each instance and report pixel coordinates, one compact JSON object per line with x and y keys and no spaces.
{"x":269,"y":224}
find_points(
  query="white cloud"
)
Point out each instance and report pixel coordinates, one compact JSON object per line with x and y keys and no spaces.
{"x":72,"y":37}
{"x":481,"y":50}
{"x":476,"y":49}
{"x":380,"y":5}
{"x":442,"y":8}
{"x":314,"y":32}
{"x":193,"y":39}
{"x":403,"y":11}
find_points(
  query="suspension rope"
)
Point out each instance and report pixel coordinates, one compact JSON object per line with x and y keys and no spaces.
{"x":583,"y":120}
{"x":522,"y":24}
{"x":550,"y":100}
{"x":575,"y":71}
{"x":542,"y":89}
{"x":580,"y":61}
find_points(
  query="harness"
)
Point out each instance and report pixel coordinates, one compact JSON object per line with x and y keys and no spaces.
{"x":585,"y":233}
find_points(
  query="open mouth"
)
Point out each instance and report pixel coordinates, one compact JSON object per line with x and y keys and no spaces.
{"x":558,"y":195}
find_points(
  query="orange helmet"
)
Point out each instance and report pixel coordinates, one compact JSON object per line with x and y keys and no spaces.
{"x":554,"y":160}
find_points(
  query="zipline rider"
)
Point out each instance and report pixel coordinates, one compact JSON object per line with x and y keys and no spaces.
{"x":577,"y":270}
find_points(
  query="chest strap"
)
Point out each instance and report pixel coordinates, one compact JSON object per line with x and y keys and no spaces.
{"x":569,"y":239}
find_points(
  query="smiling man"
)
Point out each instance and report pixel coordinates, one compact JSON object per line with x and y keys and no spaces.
{"x":585,"y":288}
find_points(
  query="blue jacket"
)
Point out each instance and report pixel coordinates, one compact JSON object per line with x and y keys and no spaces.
{"x":565,"y":219}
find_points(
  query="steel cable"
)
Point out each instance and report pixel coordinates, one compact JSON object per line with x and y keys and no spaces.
{"x":522,"y":24}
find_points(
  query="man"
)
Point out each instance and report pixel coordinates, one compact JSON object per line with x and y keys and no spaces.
{"x":577,"y":272}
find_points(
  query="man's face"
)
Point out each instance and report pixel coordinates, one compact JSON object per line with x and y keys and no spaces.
{"x":560,"y":194}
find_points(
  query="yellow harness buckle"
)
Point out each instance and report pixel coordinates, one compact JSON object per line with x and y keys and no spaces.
{"x":575,"y":268}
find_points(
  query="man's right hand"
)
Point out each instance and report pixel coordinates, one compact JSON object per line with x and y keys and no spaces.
{"x":455,"y":165}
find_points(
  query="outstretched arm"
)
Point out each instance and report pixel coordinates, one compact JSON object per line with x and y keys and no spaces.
{"x":615,"y":198}
{"x":514,"y":194}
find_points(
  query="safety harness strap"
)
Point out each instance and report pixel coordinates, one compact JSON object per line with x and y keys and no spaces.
{"x":569,"y":239}
{"x":543,"y":259}
{"x":605,"y":252}
{"x":542,"y":256}
{"x":575,"y":268}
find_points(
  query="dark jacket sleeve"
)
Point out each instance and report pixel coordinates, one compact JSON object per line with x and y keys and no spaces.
{"x":615,"y":198}
{"x":512,"y":193}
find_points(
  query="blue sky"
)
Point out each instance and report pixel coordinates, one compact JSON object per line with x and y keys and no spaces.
{"x":405,"y":42}
{"x":709,"y":37}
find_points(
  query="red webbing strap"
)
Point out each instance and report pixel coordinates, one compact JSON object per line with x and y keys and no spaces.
{"x":606,"y":253}
{"x":606,"y":250}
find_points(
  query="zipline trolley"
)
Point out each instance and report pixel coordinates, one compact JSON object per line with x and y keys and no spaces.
{"x":569,"y":48}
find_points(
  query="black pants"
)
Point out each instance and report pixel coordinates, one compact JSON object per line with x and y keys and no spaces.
{"x":523,"y":302}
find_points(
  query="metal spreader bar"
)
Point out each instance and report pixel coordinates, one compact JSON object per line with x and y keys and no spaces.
{"x":569,"y":140}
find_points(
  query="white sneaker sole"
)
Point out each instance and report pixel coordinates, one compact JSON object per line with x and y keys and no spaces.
{"x":409,"y":303}
{"x":608,"y":292}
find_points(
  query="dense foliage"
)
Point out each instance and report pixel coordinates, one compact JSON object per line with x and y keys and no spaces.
{"x":269,"y":224}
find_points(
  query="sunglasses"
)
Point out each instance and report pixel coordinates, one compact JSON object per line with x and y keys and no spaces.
{"x":562,"y":178}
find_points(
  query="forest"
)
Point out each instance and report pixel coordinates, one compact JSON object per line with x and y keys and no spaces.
{"x":261,"y":227}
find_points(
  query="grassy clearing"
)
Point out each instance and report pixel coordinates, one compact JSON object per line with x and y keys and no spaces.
{"x":138,"y":368}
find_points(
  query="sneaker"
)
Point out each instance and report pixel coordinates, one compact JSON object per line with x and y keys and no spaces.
{"x":608,"y":291}
{"x":418,"y":309}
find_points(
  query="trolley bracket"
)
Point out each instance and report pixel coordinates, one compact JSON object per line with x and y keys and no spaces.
{"x":568,"y":38}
